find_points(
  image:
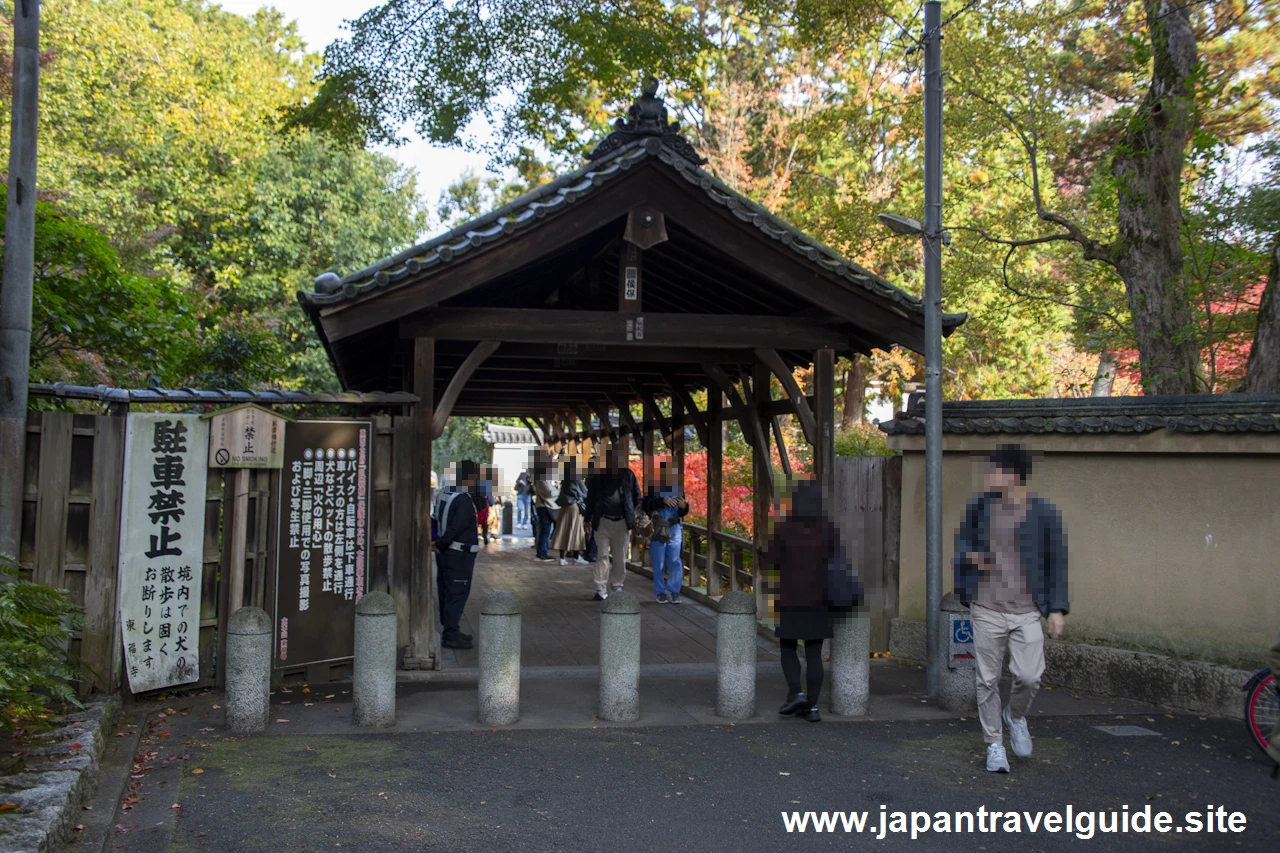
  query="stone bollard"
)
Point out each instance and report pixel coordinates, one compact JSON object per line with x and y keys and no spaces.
{"x":736,"y":656}
{"x":851,"y":663}
{"x":508,"y":518}
{"x":620,"y":658}
{"x":957,"y":681}
{"x":500,"y":660}
{"x":248,"y":681}
{"x":373,"y":689}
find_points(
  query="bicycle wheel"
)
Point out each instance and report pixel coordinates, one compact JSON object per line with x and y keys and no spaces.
{"x":1262,"y":710}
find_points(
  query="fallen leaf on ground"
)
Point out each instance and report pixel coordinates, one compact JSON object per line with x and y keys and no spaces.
{"x":164,"y":734}
{"x":75,"y":746}
{"x":8,"y":807}
{"x":282,"y":721}
{"x":306,"y":690}
{"x":198,"y":771}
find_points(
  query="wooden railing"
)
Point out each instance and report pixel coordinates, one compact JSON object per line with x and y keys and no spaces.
{"x":732,"y":568}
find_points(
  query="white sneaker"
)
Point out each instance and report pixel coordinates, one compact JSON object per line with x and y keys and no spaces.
{"x":1019,"y":736}
{"x":997,"y":762}
{"x":580,"y":561}
{"x":562,"y":562}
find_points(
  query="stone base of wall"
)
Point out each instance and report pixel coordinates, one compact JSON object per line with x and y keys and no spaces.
{"x":1203,"y":688}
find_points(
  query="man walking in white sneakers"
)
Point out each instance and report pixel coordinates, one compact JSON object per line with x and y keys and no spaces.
{"x":1011,"y":568}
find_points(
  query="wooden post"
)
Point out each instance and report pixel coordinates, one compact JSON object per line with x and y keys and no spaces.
{"x":824,"y":373}
{"x":649,"y":466}
{"x":762,"y":486}
{"x":424,"y":644}
{"x":715,"y":459}
{"x":239,"y":529}
{"x":677,"y":440}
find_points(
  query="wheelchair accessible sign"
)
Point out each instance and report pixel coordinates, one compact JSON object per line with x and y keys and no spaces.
{"x":961,"y":645}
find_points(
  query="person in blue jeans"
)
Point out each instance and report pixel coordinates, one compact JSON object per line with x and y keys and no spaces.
{"x":668,"y":568}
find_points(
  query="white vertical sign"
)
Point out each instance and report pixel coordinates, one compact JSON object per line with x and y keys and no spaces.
{"x":162,"y":548}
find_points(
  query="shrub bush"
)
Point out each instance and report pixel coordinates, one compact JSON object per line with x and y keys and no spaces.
{"x":862,"y":440}
{"x":36,"y":624}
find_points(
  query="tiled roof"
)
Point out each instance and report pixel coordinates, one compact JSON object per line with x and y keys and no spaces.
{"x":218,"y":396}
{"x":492,"y":228}
{"x":1190,"y":413}
{"x":505,"y":434}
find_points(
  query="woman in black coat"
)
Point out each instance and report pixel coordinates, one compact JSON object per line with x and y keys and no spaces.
{"x":799,"y":550}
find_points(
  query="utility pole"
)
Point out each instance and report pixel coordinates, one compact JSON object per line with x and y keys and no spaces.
{"x":932,"y":238}
{"x":18,"y":272}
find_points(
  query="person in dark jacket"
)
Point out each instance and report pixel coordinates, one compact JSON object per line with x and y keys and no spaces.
{"x":1011,"y":569}
{"x":455,"y":548}
{"x":802,"y":545}
{"x":667,"y":501}
{"x":612,"y":497}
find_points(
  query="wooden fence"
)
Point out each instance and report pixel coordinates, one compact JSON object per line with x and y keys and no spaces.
{"x":72,"y":484}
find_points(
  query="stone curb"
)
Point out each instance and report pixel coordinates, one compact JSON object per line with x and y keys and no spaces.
{"x":1185,"y":685}
{"x":50,"y":796}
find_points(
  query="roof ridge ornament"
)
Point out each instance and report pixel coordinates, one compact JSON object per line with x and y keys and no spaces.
{"x":647,"y":118}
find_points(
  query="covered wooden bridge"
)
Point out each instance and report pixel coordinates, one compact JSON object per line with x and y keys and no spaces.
{"x":637,"y":278}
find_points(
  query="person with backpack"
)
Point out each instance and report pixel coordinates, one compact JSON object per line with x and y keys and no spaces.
{"x":1011,"y":569}
{"x":814,"y":583}
{"x":455,"y":546}
{"x":666,"y":505}
{"x":613,"y":496}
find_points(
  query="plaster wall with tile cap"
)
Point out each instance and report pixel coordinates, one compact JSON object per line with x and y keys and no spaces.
{"x":1172,"y":512}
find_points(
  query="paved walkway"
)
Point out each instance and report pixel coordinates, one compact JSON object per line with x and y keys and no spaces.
{"x":561,"y":623}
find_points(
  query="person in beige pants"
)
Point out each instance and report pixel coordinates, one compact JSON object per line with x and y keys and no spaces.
{"x":1011,"y":568}
{"x":613,"y":499}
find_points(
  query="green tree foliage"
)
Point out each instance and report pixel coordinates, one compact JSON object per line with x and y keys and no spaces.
{"x":533,"y":71}
{"x":93,"y":319}
{"x":36,"y":623}
{"x":463,"y":439}
{"x":161,"y":128}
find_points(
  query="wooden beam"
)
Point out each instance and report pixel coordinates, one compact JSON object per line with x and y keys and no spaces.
{"x":424,"y":643}
{"x":529,"y":426}
{"x":803,"y":412}
{"x":676,"y":441}
{"x":623,"y":353}
{"x":536,"y":325}
{"x":606,"y":421}
{"x":457,"y":382}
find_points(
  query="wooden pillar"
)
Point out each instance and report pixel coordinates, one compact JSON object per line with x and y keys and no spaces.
{"x":424,"y":643}
{"x":677,"y":440}
{"x":824,"y":375}
{"x":650,"y":465}
{"x":762,"y":487}
{"x":715,"y":474}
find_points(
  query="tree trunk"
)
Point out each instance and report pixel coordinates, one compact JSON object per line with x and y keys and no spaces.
{"x":1105,"y":376}
{"x":1263,"y":373}
{"x":855,"y":392}
{"x":1148,"y":171}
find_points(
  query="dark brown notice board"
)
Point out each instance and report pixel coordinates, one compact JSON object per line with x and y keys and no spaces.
{"x":322,"y":564}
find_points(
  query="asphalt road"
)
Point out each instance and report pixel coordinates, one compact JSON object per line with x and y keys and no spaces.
{"x":705,"y":788}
